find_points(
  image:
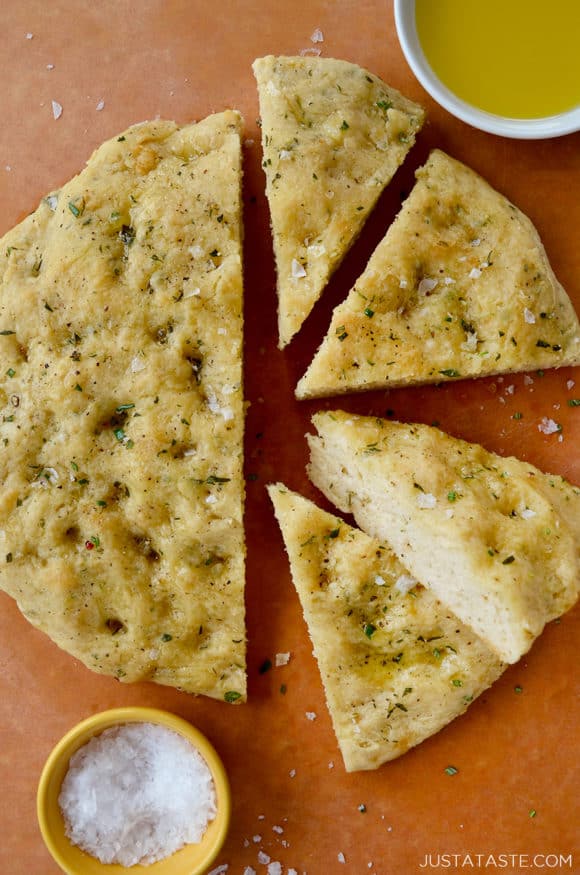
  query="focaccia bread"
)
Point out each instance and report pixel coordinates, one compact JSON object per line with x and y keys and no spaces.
{"x":495,"y":539}
{"x":396,"y":665}
{"x":333,"y":136}
{"x":460,"y":286}
{"x":121,"y":410}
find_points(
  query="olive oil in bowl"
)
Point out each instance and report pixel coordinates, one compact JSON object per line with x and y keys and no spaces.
{"x":512,"y":58}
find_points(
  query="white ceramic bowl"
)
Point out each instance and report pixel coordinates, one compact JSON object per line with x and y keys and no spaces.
{"x":523,"y":129}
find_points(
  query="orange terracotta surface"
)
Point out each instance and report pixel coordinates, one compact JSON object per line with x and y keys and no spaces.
{"x":515,"y":752}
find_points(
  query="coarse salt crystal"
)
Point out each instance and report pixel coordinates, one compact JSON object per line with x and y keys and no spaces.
{"x":222,"y":331}
{"x":403,"y":283}
{"x":317,"y":36}
{"x":529,"y":316}
{"x":310,"y":715}
{"x":476,"y":241}
{"x":29,"y":35}
{"x":448,"y":280}
{"x":340,"y":857}
{"x":100,"y":105}
{"x":281,"y":659}
{"x":292,"y":773}
{"x":298,"y":269}
{"x":331,"y":765}
{"x":52,"y":201}
{"x":249,"y":871}
{"x":509,"y":390}
{"x":192,"y":293}
{"x":449,"y":513}
{"x":277,"y":829}
{"x":136,"y":793}
{"x":380,"y":581}
{"x":427,"y":284}
{"x":274,"y":868}
{"x":405,"y":583}
{"x":271,"y":88}
{"x":50,"y":66}
{"x":528,"y":380}
{"x":426,"y":500}
{"x":137,"y":364}
{"x":249,"y":142}
{"x":211,"y":499}
{"x":219,"y":870}
{"x":570,"y":384}
{"x":548,"y":426}
{"x":263,"y":858}
{"x":257,"y":839}
{"x":310,"y":51}
{"x":195,"y":250}
{"x":470,"y":344}
{"x":474,"y":273}
{"x":527,"y":513}
{"x":293,"y":872}
{"x":284,"y":154}
{"x":316,"y":250}
{"x":56,"y":110}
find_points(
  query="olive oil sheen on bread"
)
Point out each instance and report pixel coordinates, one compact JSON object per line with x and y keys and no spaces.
{"x":517,"y":59}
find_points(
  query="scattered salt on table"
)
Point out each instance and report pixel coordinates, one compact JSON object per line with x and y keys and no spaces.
{"x":136,"y":794}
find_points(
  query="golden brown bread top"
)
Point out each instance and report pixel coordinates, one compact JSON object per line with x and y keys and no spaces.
{"x":459,"y":287}
{"x":333,"y":136}
{"x":122,"y":418}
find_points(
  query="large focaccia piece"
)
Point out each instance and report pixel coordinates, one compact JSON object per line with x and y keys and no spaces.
{"x":460,"y":286}
{"x":496,"y":540}
{"x":121,"y":410}
{"x":396,"y":665}
{"x":333,"y":136}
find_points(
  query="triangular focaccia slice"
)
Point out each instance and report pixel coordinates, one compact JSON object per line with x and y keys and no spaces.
{"x":395,"y":664}
{"x":122,"y":419}
{"x":496,"y":540}
{"x":460,"y":286}
{"x":333,"y":136}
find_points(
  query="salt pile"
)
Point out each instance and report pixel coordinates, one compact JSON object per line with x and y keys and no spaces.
{"x":136,"y":794}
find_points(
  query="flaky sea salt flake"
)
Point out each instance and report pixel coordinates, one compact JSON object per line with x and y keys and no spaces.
{"x":298,"y":270}
{"x":281,"y":659}
{"x":100,"y":105}
{"x":548,"y":426}
{"x":56,"y":110}
{"x":317,"y":36}
{"x":426,"y":501}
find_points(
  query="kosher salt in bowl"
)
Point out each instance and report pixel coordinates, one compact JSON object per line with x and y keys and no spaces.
{"x":565,"y":122}
{"x":192,"y":859}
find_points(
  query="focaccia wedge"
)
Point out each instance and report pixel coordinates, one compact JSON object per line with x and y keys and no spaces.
{"x":333,"y":136}
{"x":459,"y":287}
{"x":396,"y":665}
{"x":122,"y":414}
{"x":495,"y":539}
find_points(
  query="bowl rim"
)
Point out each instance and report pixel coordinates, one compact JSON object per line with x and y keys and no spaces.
{"x":94,"y":725}
{"x":524,"y":129}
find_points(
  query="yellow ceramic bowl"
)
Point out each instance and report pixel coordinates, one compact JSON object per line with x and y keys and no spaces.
{"x":190,"y":860}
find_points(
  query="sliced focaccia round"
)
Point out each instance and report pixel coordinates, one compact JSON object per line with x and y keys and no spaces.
{"x":396,"y":665}
{"x":333,"y":136}
{"x":122,"y":414}
{"x":495,"y":539}
{"x":460,"y":286}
